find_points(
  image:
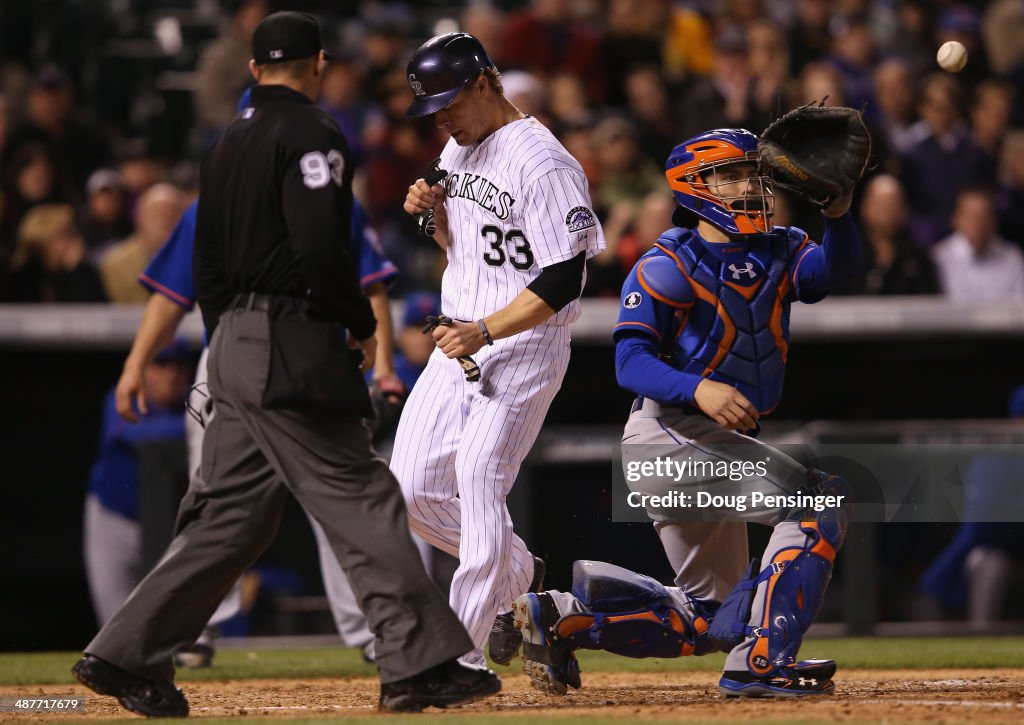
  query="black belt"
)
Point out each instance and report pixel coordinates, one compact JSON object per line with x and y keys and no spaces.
{"x":252,"y":301}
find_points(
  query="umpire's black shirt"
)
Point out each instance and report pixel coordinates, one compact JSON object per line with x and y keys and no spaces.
{"x":274,"y":216}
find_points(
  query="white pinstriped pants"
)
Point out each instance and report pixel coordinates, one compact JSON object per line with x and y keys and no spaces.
{"x":457,"y":452}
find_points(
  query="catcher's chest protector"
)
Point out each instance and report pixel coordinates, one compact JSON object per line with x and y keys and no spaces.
{"x":737,"y":331}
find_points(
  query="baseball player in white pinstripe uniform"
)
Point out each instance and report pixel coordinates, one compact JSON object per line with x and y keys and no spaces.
{"x":514,"y":216}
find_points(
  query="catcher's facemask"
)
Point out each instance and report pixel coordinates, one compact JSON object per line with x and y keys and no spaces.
{"x":698,"y":171}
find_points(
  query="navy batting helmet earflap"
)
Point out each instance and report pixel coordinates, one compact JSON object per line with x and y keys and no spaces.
{"x":441,"y":68}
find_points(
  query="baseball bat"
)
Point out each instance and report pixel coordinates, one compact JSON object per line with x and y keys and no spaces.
{"x":469,"y":366}
{"x":425,"y":221}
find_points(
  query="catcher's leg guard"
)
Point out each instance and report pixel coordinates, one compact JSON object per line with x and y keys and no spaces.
{"x":611,"y":609}
{"x":729,"y":626}
{"x":630,"y":614}
{"x":789,"y":591}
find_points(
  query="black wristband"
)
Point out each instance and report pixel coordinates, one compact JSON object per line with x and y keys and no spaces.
{"x":485,"y":332}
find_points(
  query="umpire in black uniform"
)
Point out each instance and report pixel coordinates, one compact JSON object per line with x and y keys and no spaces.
{"x":276,"y":288}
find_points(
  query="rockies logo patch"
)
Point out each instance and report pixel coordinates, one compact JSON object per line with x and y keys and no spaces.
{"x":632,"y":301}
{"x":579,"y":218}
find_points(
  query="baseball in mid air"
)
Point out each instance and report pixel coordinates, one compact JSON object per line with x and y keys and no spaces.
{"x":952,"y":56}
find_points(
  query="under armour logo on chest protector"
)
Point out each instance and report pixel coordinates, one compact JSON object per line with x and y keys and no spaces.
{"x":747,"y":269}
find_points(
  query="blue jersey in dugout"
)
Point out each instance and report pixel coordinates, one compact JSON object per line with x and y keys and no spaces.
{"x":114,"y":476}
{"x":718,"y":310}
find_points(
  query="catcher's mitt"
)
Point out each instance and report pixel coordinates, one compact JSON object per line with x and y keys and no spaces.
{"x":817,"y":151}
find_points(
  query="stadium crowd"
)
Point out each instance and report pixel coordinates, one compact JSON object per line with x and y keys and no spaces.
{"x":107,"y":106}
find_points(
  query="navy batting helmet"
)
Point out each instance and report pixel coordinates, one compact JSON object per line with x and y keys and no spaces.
{"x":441,"y":68}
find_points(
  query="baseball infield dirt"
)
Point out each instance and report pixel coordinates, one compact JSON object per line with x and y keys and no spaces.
{"x":906,"y":696}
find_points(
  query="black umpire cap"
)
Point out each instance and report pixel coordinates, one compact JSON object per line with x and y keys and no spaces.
{"x":286,"y":36}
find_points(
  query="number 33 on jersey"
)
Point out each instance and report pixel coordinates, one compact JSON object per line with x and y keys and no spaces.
{"x":517,"y":202}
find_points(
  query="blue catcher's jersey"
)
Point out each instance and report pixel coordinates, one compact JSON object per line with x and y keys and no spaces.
{"x":720,"y":310}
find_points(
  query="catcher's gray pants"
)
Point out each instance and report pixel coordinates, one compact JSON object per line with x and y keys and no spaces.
{"x":252,"y":458}
{"x":710,"y":557}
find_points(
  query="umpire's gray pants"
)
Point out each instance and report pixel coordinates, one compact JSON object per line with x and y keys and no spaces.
{"x":194,"y":431}
{"x":251,"y":459}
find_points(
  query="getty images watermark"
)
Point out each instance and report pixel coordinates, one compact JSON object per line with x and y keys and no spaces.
{"x":698,"y":472}
{"x":885,"y":482}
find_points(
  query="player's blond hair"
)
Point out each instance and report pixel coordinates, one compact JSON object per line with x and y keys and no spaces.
{"x":493,"y":76}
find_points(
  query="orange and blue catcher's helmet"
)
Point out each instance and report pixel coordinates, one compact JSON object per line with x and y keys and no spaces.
{"x":692,"y":171}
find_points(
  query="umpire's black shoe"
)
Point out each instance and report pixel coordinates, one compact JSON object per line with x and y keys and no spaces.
{"x":449,"y":683}
{"x":142,"y":696}
{"x":505,"y":640}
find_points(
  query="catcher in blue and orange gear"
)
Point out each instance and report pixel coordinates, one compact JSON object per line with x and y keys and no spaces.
{"x":702,"y":339}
